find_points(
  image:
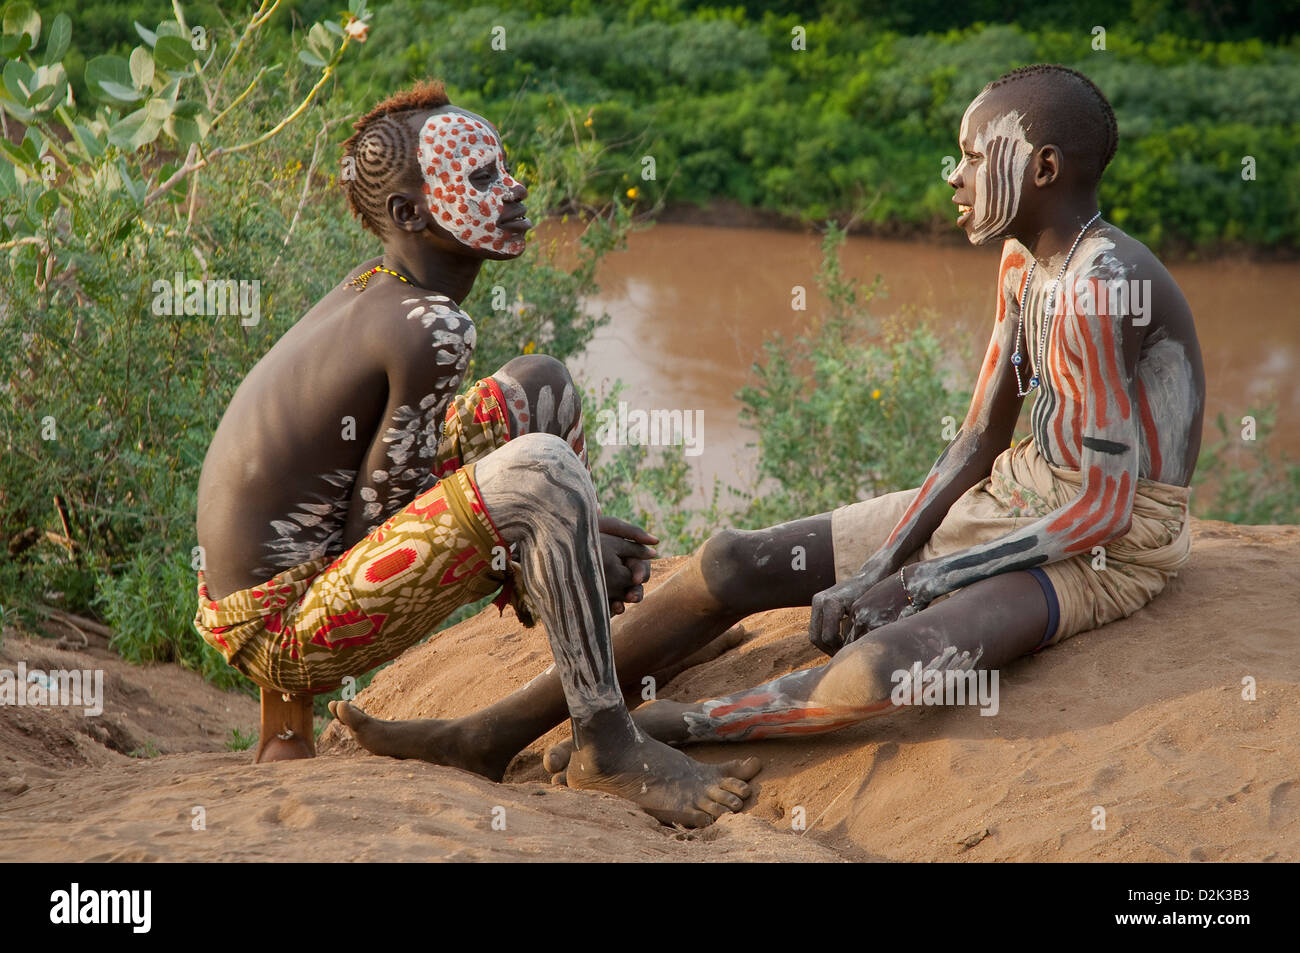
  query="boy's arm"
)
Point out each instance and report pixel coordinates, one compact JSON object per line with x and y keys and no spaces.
{"x":1109,"y":462}
{"x":984,"y":434}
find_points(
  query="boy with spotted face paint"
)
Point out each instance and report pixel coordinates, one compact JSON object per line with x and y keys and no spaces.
{"x":352,"y":499}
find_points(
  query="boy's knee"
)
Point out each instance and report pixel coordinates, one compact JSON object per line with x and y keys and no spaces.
{"x":544,"y":460}
{"x":535,"y":371}
{"x":728,"y":564}
{"x":862,"y":673}
{"x":527,"y":450}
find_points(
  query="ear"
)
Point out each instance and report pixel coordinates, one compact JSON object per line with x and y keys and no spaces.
{"x":407,"y":212}
{"x":1048,"y":162}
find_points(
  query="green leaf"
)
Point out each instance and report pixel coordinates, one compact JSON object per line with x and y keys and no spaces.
{"x":127,"y":94}
{"x":14,"y":153}
{"x":8,"y":179}
{"x":183,"y":129}
{"x":51,"y":88}
{"x":133,"y":131}
{"x":19,"y":80}
{"x":47,"y":203}
{"x":15,"y":45}
{"x":141,"y":68}
{"x":57,"y":42}
{"x":158,"y":110}
{"x":149,"y":36}
{"x":311,"y":59}
{"x":108,"y":68}
{"x":19,"y":18}
{"x":33,"y":209}
{"x":133,"y":188}
{"x":45,"y":95}
{"x":318,"y":41}
{"x":172,"y":28}
{"x":93,"y":145}
{"x":334,"y":27}
{"x":170,"y":92}
{"x":172,"y":52}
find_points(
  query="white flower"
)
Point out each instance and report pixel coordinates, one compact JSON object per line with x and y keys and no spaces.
{"x":357,"y":29}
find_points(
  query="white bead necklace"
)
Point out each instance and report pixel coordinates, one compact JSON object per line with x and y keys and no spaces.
{"x":1016,"y":358}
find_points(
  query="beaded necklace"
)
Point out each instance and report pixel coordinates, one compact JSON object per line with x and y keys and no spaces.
{"x":363,"y":279}
{"x":1048,"y":311}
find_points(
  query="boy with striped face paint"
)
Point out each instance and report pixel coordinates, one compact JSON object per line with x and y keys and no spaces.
{"x":1000,"y":551}
{"x":358,"y":490}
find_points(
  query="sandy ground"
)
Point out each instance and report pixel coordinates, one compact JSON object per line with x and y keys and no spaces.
{"x":1144,"y":719}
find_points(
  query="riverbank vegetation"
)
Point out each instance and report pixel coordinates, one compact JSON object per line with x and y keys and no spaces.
{"x":847,"y":108}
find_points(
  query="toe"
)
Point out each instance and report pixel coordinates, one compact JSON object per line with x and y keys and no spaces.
{"x":733,"y":636}
{"x":735,"y":786}
{"x":557,"y":757}
{"x":744,"y":770}
{"x":726,"y":798}
{"x":711,"y":807}
{"x":562,"y":779}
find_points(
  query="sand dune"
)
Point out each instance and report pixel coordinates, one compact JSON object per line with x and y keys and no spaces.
{"x":1144,"y":719}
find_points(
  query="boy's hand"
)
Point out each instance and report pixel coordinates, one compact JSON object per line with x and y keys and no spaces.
{"x":885,"y":602}
{"x":831,"y":606}
{"x":626,"y":554}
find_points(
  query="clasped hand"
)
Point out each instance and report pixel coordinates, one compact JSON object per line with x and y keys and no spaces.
{"x":849,"y":610}
{"x":625,"y":551}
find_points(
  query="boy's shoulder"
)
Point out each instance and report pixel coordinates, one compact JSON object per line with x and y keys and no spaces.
{"x":1110,"y":252}
{"x":400,"y":317}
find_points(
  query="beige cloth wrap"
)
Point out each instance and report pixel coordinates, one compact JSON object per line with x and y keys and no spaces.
{"x":1021,"y":489}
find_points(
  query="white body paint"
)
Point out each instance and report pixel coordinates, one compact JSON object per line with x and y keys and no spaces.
{"x":452,"y":146}
{"x":1000,"y":176}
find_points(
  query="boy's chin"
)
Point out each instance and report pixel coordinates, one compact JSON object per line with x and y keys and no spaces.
{"x":494,"y":255}
{"x":981,"y":240}
{"x":509,"y":253}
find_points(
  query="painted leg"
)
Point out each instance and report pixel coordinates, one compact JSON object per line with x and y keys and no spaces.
{"x":986,"y":625}
{"x":733,"y":575}
{"x":540,"y":497}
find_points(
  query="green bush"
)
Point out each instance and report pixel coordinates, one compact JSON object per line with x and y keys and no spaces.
{"x":1244,"y":481}
{"x":848,"y":411}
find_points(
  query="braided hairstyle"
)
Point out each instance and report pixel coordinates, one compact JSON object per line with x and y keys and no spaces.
{"x":382,"y":152}
{"x":1067,"y":109}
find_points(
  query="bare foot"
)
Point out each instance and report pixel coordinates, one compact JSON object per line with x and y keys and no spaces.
{"x":661,"y":720}
{"x":427,"y":739}
{"x":667,"y":785}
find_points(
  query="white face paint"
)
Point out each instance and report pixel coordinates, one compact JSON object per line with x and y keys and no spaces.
{"x":1004,"y":152}
{"x":453,"y":146}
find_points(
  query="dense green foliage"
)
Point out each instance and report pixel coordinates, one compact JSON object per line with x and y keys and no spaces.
{"x":862,"y":119}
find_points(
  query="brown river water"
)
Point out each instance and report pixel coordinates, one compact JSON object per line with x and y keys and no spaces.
{"x":691,"y":306}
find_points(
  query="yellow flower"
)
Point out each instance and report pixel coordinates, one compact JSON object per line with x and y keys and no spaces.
{"x":530,"y":347}
{"x":875,"y":394}
{"x":589,"y":123}
{"x":632,"y":193}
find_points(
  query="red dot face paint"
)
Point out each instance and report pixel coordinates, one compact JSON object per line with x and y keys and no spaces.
{"x":452,"y":146}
